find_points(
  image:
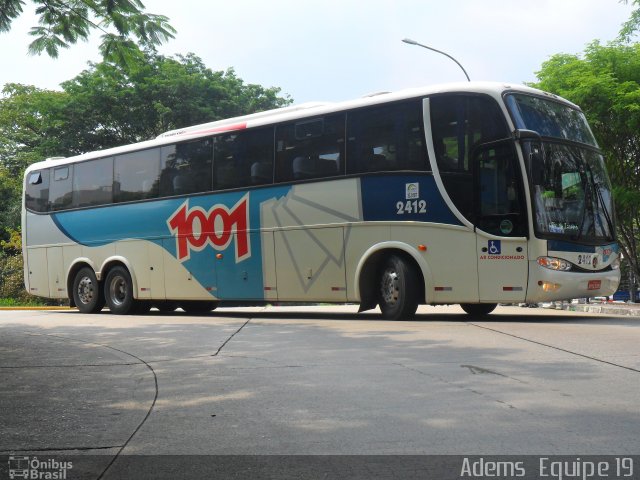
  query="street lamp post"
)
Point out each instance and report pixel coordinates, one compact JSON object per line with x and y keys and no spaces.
{"x":413,"y":42}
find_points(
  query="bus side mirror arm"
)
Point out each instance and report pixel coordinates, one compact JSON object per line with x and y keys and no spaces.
{"x":522,"y":134}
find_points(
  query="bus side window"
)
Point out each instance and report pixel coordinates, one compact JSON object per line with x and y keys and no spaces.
{"x":61,"y":191}
{"x":93,"y":182}
{"x":37,"y":191}
{"x":386,"y":138}
{"x":186,"y":167}
{"x":310,"y":149}
{"x":136,"y":175}
{"x":243,"y":159}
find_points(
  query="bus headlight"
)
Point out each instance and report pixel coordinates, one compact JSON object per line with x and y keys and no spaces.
{"x":554,"y":263}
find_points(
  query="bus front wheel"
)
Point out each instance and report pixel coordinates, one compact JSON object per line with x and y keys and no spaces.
{"x":118,"y":291}
{"x":398,"y":289}
{"x":478,"y":309}
{"x":87,"y":294}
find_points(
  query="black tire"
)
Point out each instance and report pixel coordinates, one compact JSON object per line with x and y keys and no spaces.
{"x":398,"y":289}
{"x":198,"y":307}
{"x":86,"y":291}
{"x":118,"y":291}
{"x":478,"y":309}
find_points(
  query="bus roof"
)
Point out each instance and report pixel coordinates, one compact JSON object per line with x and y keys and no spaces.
{"x":295,"y":112}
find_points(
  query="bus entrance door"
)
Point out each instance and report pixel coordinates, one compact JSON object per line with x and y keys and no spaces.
{"x":502,"y":269}
{"x":501,"y":224}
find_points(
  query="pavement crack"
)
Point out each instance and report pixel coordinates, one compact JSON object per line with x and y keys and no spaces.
{"x":229,"y":339}
{"x":588,"y":357}
{"x":140,"y":360}
{"x":462,"y":387}
{"x":479,"y":370}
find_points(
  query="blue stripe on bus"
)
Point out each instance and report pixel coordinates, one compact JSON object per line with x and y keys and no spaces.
{"x":382,"y":195}
{"x":148,"y":221}
{"x":561,"y":246}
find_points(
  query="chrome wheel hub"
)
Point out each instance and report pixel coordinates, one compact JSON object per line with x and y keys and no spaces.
{"x":118,"y":290}
{"x":389,"y":287}
{"x":86,"y":291}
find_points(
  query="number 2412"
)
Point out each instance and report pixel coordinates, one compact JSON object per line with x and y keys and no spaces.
{"x":411,"y":206}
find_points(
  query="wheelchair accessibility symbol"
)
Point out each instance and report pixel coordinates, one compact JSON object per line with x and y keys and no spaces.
{"x":494,"y":247}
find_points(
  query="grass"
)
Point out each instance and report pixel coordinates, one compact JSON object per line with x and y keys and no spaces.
{"x":13,"y":302}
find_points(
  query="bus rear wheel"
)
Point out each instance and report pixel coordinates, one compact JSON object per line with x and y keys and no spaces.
{"x":118,"y":291}
{"x":478,"y":309}
{"x":87,"y":294}
{"x":398,"y":289}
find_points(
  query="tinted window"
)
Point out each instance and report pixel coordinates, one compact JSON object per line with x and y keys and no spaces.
{"x":37,"y":191}
{"x":243,"y":159}
{"x":136,"y":175}
{"x":550,"y":119}
{"x":389,"y":137}
{"x":60,"y":190}
{"x":310,"y":149}
{"x":501,"y":204}
{"x":93,"y":182}
{"x":186,"y":167}
{"x":459,"y":125}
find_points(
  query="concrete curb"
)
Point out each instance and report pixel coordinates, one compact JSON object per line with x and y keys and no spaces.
{"x":629,"y":311}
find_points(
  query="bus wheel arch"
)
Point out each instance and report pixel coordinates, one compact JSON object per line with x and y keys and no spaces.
{"x":372,"y":266}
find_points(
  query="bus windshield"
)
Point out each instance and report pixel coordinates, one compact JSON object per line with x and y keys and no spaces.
{"x":571,"y":191}
{"x":550,"y":119}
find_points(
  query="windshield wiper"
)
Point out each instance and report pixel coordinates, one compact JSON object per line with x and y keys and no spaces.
{"x":600,"y":198}
{"x":605,"y":210}
{"x":587,"y":192}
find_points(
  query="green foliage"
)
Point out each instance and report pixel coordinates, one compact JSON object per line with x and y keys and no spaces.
{"x":605,"y":82}
{"x":124,"y":24}
{"x":12,"y":278}
{"x":12,"y":291}
{"x":14,"y":244}
{"x":112,"y":105}
{"x":631,"y":26}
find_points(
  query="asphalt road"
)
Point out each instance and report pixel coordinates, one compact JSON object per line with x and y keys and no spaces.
{"x":317,"y":381}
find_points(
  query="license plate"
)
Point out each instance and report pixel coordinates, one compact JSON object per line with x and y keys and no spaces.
{"x":594,"y":285}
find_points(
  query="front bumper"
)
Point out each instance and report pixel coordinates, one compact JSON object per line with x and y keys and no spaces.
{"x":547,"y":285}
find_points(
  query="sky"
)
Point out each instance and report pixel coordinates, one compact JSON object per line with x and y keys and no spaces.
{"x":335,"y":50}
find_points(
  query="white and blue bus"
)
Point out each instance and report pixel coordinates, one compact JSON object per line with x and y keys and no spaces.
{"x":470,"y":194}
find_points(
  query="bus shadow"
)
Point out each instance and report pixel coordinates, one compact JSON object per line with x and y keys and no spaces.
{"x":448,"y":317}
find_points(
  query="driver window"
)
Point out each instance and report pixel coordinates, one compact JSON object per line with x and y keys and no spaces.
{"x":500,"y":203}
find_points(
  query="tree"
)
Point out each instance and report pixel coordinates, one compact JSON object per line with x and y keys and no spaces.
{"x":605,"y":82}
{"x":109,"y":104}
{"x":123,"y":23}
{"x":631,"y":26}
